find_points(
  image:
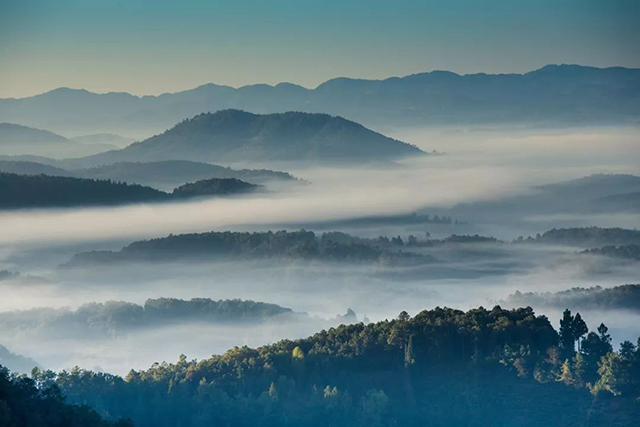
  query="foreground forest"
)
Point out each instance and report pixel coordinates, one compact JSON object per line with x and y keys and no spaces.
{"x":443,"y":366}
{"x":23,"y":403}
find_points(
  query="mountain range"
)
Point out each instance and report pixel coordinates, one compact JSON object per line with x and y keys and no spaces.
{"x":552,"y":95}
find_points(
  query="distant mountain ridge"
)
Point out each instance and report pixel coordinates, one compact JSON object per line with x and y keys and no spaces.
{"x":16,"y":362}
{"x":554,"y":94}
{"x":23,"y":140}
{"x":230,"y":136}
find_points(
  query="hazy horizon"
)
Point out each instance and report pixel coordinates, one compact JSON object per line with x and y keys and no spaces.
{"x":144,"y":47}
{"x":318,"y":84}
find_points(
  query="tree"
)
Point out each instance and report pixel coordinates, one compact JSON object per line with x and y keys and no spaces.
{"x":566,"y":374}
{"x":627,"y":350}
{"x":409,"y":358}
{"x":373,"y":406}
{"x":605,"y":338}
{"x":613,"y":375}
{"x":297,"y":353}
{"x":567,"y":340}
{"x":579,"y":328}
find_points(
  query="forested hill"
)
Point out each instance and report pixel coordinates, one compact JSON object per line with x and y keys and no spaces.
{"x":586,"y":237}
{"x":24,"y":402}
{"x":207,"y":187}
{"x":625,"y":252}
{"x":43,"y":191}
{"x":237,"y":136}
{"x":172,"y":173}
{"x":165,"y":175}
{"x":297,"y":245}
{"x":442,"y":367}
{"x":625,"y":297}
{"x":114,"y":318}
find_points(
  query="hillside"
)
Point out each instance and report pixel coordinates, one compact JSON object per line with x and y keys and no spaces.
{"x":298,"y":245}
{"x":23,"y":140}
{"x":43,"y":191}
{"x":552,"y":95}
{"x":236,"y":136}
{"x":624,"y":252}
{"x":207,"y":187}
{"x":16,"y":362}
{"x":23,"y":403}
{"x":600,"y":193}
{"x":496,"y":367}
{"x":172,"y":173}
{"x":22,"y":167}
{"x":113,"y":318}
{"x":587,"y":237}
{"x":625,"y":297}
{"x":164,"y":175}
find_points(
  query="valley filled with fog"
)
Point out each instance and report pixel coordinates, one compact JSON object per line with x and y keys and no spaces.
{"x":470,"y":183}
{"x":319,"y":213}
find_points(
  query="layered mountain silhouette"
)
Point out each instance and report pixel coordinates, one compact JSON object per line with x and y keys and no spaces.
{"x":554,"y":94}
{"x":23,"y":140}
{"x":164,"y":175}
{"x":104,"y":138}
{"x":234,"y":136}
{"x":16,"y":362}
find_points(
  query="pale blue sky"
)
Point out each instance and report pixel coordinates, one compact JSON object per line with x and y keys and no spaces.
{"x":155,"y":46}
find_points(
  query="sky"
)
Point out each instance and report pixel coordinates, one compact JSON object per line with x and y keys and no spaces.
{"x":156,"y":46}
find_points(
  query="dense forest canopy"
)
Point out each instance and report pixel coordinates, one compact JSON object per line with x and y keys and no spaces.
{"x":484,"y":367}
{"x":38,"y":191}
{"x":23,"y":403}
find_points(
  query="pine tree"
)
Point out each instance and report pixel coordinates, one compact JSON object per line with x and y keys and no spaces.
{"x":567,"y":340}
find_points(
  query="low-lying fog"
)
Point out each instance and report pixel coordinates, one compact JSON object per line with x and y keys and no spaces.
{"x":479,"y":164}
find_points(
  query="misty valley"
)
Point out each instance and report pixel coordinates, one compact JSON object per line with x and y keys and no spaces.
{"x":425,"y":250}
